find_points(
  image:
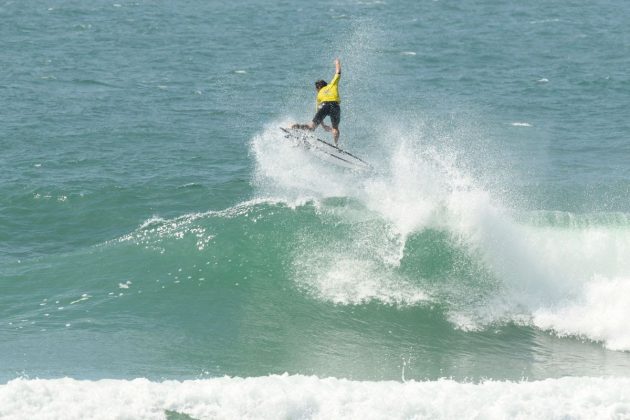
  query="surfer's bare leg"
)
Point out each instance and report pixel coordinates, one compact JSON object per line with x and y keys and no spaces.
{"x":335,"y":132}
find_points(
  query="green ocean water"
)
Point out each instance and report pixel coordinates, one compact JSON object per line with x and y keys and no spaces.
{"x":154,"y":222}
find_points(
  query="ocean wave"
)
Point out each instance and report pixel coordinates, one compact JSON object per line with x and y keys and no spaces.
{"x":478,"y":262}
{"x":419,"y":232}
{"x":309,"y":397}
{"x":502,"y":265}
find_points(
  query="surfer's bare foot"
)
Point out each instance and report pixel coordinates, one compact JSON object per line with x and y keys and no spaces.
{"x":303,"y":126}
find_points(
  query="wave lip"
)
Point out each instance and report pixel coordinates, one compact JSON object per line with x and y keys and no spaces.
{"x":310,"y":397}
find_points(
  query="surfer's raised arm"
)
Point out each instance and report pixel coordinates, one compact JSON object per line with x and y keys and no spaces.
{"x":337,"y":66}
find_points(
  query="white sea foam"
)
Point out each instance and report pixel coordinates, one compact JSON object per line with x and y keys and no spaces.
{"x":83,"y":297}
{"x":153,"y":230}
{"x":309,"y":397}
{"x":355,"y":281}
{"x":600,"y":312}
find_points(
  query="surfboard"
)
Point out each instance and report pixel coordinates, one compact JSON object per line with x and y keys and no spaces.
{"x":325,"y":150}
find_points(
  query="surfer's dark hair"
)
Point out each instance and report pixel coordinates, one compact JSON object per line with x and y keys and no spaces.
{"x":320,"y":84}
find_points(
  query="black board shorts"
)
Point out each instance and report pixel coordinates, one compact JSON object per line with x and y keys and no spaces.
{"x":331,"y":109}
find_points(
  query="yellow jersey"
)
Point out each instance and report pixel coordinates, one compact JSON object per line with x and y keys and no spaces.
{"x":330,"y":92}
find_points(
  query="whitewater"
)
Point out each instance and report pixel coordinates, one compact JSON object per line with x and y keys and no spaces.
{"x":293,"y":397}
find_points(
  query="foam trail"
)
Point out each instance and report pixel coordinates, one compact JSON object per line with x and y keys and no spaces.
{"x":309,"y":397}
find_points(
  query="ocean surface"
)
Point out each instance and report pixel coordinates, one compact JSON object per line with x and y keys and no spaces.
{"x":166,"y":253}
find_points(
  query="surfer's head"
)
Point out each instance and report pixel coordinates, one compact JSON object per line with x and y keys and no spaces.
{"x":320,"y":84}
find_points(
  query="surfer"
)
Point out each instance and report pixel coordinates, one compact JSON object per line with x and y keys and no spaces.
{"x":327,"y":105}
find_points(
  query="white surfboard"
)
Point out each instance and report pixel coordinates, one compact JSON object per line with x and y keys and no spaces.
{"x":325,"y":150}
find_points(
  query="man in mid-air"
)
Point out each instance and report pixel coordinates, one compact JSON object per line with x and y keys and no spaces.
{"x":327,"y":105}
